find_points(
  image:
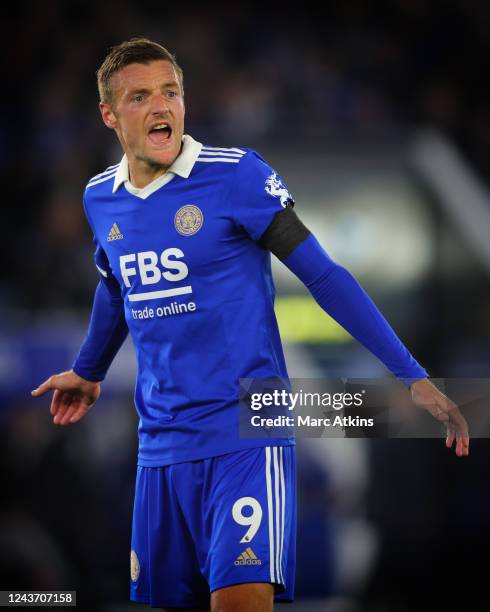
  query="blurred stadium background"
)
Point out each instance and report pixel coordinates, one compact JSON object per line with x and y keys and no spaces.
{"x":377,"y":115}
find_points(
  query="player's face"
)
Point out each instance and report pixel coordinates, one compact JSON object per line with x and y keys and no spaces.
{"x":147,"y":112}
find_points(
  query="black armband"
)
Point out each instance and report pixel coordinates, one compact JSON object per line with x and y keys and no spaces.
{"x":284,"y":233}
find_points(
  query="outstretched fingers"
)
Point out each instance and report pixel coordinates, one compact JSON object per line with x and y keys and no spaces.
{"x":44,"y":387}
{"x":71,"y":409}
{"x":63,"y":402}
{"x":78,"y":413}
{"x":462,"y":446}
{"x":73,"y":396}
{"x":451,"y":434}
{"x":56,"y":402}
{"x":426,"y":395}
{"x":460,"y":430}
{"x":68,"y":414}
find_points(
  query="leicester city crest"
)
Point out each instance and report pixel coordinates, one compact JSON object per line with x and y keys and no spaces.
{"x":188,"y":220}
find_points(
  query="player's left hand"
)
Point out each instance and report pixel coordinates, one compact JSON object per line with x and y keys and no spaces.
{"x":426,"y":395}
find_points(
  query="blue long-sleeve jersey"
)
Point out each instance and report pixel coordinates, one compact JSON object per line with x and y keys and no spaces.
{"x":181,"y":268}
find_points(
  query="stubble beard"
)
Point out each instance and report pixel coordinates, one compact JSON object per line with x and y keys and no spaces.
{"x":152,"y":164}
{"x":155,"y":165}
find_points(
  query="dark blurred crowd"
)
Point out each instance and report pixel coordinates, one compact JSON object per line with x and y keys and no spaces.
{"x":67,"y":500}
{"x":252,"y":75}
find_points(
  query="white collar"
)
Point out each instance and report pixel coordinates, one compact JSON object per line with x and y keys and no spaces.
{"x":182,"y":166}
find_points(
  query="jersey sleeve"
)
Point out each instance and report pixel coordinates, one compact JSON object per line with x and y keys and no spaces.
{"x":105,"y":336}
{"x":258,"y":193}
{"x":105,"y":273}
{"x":102,"y":264}
{"x":343,"y":298}
{"x":107,"y":329}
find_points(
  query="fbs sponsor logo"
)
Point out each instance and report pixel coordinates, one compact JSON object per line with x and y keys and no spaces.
{"x":114,"y":234}
{"x":248,"y":557}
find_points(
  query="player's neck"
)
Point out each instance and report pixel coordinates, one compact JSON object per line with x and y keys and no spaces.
{"x":142,"y":174}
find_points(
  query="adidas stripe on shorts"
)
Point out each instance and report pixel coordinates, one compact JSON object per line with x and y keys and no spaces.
{"x":203,"y":525}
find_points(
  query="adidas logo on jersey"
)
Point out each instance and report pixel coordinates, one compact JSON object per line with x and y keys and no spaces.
{"x":114,"y":234}
{"x":248,"y":557}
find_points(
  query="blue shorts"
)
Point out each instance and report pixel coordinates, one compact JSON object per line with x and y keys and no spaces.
{"x":203,"y":525}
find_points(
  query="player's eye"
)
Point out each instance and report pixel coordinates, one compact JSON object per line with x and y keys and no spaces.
{"x":138,"y":98}
{"x":171,"y":94}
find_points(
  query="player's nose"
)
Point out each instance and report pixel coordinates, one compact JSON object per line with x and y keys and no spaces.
{"x":159,"y":104}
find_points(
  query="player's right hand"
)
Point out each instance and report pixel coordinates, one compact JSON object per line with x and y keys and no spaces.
{"x":72,"y":398}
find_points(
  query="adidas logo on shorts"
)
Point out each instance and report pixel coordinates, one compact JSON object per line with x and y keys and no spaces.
{"x":248,"y":557}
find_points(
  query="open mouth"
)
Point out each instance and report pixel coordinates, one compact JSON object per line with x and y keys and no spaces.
{"x":160,"y":134}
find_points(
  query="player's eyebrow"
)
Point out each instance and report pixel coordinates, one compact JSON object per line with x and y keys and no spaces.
{"x":170,"y":84}
{"x":139,"y":90}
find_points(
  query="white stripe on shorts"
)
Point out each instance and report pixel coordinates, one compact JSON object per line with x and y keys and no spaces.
{"x":270,"y":510}
{"x":276,"y":506}
{"x":283,"y":506}
{"x":278,"y":515}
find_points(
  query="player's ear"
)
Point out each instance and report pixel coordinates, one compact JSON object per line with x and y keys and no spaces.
{"x":108,"y":116}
